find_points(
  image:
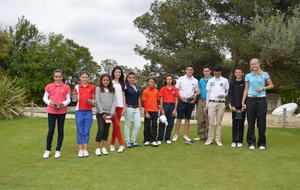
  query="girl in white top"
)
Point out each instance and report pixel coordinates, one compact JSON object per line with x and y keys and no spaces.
{"x":118,"y":83}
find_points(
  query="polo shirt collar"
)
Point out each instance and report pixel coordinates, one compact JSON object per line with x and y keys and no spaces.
{"x":208,"y":78}
{"x":58,"y":84}
{"x":253,"y":74}
{"x":220,"y":78}
{"x":172,"y":88}
{"x":192,"y":77}
{"x":150,"y":88}
{"x":81,"y":86}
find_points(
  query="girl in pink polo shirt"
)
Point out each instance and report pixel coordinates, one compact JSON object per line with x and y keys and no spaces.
{"x":57,"y":97}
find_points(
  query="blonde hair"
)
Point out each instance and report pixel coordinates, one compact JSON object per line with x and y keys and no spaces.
{"x":259,"y":64}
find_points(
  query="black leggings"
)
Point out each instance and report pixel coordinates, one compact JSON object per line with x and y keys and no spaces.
{"x":51,"y":128}
{"x":103,"y":129}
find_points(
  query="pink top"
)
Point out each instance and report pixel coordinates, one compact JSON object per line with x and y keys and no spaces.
{"x":57,"y":94}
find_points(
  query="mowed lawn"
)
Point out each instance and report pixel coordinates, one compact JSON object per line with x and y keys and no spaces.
{"x":177,"y":166}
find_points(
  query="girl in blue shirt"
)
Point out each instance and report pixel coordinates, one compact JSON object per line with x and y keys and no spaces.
{"x":132,"y":110}
{"x":255,"y":103}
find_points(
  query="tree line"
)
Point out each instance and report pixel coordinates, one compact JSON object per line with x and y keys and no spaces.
{"x":205,"y":32}
{"x":178,"y":32}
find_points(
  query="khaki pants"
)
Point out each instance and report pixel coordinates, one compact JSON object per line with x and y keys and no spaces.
{"x":202,"y":120}
{"x":215,"y":113}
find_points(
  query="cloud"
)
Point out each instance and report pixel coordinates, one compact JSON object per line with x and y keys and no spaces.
{"x":105,"y":27}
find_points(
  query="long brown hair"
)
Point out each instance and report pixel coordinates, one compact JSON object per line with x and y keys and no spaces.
{"x":110,"y":87}
{"x":121,"y":79}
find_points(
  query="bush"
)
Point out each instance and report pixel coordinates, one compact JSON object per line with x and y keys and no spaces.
{"x":12,"y":98}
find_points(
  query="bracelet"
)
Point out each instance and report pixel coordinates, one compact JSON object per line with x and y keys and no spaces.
{"x":264,"y":88}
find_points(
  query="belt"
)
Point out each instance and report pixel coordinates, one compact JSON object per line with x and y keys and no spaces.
{"x":256,"y":96}
{"x":202,"y":100}
{"x":132,"y":106}
{"x":217,"y":101}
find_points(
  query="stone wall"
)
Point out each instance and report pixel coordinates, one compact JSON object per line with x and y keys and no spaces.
{"x":274,"y":100}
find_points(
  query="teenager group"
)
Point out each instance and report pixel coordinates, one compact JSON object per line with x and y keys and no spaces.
{"x":116,"y":95}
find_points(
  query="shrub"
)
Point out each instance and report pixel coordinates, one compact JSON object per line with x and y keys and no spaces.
{"x":12,"y":98}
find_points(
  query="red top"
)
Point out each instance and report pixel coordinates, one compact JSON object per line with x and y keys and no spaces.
{"x":169,"y":95}
{"x":150,"y":98}
{"x":57,"y":94}
{"x":84,"y":94}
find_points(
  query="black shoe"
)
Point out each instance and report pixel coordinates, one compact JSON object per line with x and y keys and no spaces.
{"x":136,"y":145}
{"x":129,"y":145}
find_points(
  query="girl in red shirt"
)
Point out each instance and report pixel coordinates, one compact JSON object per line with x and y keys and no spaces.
{"x":168,"y":101}
{"x":84,"y":93}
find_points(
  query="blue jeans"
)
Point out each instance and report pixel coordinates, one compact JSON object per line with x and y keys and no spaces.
{"x":84,"y":121}
{"x":135,"y":115}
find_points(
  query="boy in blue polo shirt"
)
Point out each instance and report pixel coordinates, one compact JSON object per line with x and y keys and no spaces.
{"x":202,"y":116}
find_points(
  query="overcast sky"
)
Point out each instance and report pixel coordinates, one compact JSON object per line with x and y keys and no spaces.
{"x":104,"y":26}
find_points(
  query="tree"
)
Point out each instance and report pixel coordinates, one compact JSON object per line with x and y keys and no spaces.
{"x":279,"y":41}
{"x":5,"y":45}
{"x":33,"y":57}
{"x":107,"y":65}
{"x":234,"y":24}
{"x":178,"y":33}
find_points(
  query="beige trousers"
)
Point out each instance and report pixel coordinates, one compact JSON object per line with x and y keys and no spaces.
{"x":202,"y":120}
{"x":215,"y":113}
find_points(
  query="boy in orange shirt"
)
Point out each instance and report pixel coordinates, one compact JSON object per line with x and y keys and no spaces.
{"x":150,"y":99}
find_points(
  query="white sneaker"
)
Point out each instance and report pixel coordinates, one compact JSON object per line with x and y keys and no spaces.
{"x":186,"y":138}
{"x":57,"y":154}
{"x":239,"y":145}
{"x":154,"y":144}
{"x":252,"y":147}
{"x":219,"y":143}
{"x":175,"y":138}
{"x":262,"y":148}
{"x":147,"y":143}
{"x":121,"y":149}
{"x":159,"y":142}
{"x":104,"y":151}
{"x":98,"y":152}
{"x":46,"y":154}
{"x":197,"y":139}
{"x":112,"y":148}
{"x":80,"y":154}
{"x":233,"y":145}
{"x":169,"y":142}
{"x":85,"y":153}
{"x":208,"y":143}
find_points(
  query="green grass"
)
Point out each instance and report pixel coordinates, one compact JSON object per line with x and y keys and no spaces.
{"x":177,"y":166}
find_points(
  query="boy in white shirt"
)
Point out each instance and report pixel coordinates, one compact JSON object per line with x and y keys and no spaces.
{"x":188,"y":92}
{"x":217,"y":89}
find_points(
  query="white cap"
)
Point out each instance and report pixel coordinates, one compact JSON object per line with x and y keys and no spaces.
{"x":163,"y":119}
